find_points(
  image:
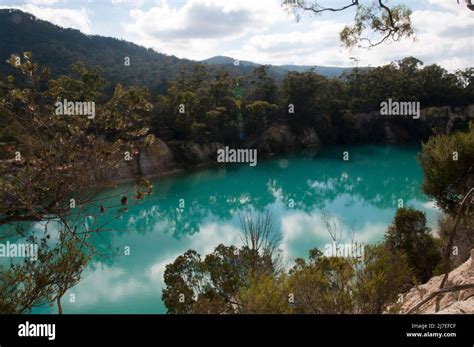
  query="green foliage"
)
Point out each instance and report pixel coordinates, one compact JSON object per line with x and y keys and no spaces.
{"x":408,"y":234}
{"x":182,"y":278}
{"x":463,"y":240}
{"x":59,"y":48}
{"x":87,"y":86}
{"x":383,"y":275}
{"x":322,"y":285}
{"x":388,"y":24}
{"x":32,"y":283}
{"x":212,"y":285}
{"x":61,"y":155}
{"x":374,"y":22}
{"x":405,"y":80}
{"x":446,"y":179}
{"x":257,"y":117}
{"x":266,"y":294}
{"x":51,"y":158}
{"x":199,"y":107}
{"x":262,"y":86}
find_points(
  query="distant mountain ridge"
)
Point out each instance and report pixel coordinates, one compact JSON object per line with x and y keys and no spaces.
{"x":328,"y":71}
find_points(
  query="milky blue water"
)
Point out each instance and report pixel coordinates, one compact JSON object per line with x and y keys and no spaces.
{"x":362,"y":194}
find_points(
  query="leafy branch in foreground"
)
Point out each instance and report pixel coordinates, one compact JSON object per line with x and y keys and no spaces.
{"x":50,"y":170}
{"x":38,"y":283}
{"x":383,"y":21}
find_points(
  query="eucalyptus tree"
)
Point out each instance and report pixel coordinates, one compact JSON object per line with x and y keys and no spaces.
{"x":375,"y":22}
{"x":55,"y":155}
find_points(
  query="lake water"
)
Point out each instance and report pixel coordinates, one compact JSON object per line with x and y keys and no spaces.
{"x":362,"y":193}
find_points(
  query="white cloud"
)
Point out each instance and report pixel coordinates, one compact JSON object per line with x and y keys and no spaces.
{"x":451,"y":6}
{"x":67,"y":18}
{"x":111,"y":284}
{"x":212,"y":234}
{"x":317,"y":45}
{"x":200,"y":27}
{"x":43,"y":2}
{"x":130,"y":3}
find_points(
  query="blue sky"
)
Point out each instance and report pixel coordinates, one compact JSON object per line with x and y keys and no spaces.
{"x":261,"y":30}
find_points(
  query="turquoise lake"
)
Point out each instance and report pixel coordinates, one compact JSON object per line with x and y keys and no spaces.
{"x":361,"y":193}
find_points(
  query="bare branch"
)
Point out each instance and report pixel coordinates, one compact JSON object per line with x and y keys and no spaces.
{"x":316,"y":8}
{"x":438,"y":292}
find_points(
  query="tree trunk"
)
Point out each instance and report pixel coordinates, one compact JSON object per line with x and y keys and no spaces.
{"x":60,"y":307}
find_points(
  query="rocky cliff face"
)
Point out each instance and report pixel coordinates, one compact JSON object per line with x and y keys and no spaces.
{"x":164,"y":158}
{"x":280,"y":138}
{"x":155,"y":160}
{"x":189,"y":154}
{"x":373,"y":128}
{"x":456,"y":302}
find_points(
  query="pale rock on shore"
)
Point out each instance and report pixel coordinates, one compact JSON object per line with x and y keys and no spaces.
{"x":458,"y":302}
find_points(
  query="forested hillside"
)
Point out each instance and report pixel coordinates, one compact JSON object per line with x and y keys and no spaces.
{"x":58,"y":48}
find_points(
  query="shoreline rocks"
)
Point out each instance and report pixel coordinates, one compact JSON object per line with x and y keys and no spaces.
{"x":166,"y":158}
{"x":456,"y":302}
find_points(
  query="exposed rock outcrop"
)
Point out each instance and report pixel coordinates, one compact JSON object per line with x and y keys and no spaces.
{"x":162,"y":158}
{"x":157,"y":159}
{"x":187,"y":153}
{"x":278,"y":139}
{"x":375,"y":128}
{"x":456,"y":302}
{"x":309,"y":138}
